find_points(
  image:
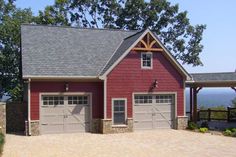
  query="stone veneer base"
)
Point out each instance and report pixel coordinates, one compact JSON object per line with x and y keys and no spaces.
{"x":3,"y":117}
{"x":108,"y":128}
{"x":181,"y":122}
{"x":34,"y":128}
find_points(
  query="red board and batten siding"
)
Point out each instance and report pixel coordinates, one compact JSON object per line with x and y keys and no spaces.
{"x":96,"y":88}
{"x":128,"y":77}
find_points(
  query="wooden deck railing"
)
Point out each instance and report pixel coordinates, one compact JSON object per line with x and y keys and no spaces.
{"x":212,"y":114}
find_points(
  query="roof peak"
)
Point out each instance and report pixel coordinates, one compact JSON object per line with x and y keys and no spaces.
{"x":81,"y":28}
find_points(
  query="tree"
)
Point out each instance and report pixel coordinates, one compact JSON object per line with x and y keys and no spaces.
{"x":10,"y":73}
{"x":171,"y":25}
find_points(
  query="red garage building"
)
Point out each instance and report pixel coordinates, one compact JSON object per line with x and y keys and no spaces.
{"x":100,"y":80}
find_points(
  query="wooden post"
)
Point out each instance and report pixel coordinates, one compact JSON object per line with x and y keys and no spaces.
{"x":209,"y":114}
{"x":228,"y":114}
{"x":195,"y":104}
{"x":191,"y":103}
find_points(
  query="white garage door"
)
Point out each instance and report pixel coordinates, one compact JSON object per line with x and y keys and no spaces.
{"x":59,"y":114}
{"x":153,"y":111}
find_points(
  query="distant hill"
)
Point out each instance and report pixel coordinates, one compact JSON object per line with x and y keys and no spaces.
{"x":211,"y":97}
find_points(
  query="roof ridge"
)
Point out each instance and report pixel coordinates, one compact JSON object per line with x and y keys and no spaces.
{"x":74,"y":27}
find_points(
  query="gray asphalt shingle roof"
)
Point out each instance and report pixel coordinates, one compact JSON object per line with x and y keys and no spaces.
{"x":127,"y":42}
{"x":68,"y":51}
{"x":211,"y":77}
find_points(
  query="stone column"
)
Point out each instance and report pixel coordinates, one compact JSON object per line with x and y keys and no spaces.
{"x":181,"y":122}
{"x":3,"y":117}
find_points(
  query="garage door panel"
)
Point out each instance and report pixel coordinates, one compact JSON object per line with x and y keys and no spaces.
{"x":68,"y":116}
{"x":56,"y":128}
{"x":143,"y":116}
{"x":142,"y":108}
{"x":52,"y":110}
{"x":143,"y":125}
{"x":77,"y":118}
{"x":162,"y":107}
{"x":48,"y":119}
{"x":163,"y":124}
{"x":77,"y":127}
{"x":155,"y":114}
{"x":163,"y":116}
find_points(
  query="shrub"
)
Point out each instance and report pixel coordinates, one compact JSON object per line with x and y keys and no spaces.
{"x":203,"y":130}
{"x":232,"y":129}
{"x":233,"y":134}
{"x":227,"y":132}
{"x":192,"y":126}
{"x":2,"y":140}
{"x":204,"y":124}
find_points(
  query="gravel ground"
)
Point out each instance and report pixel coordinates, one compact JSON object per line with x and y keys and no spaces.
{"x":163,"y":143}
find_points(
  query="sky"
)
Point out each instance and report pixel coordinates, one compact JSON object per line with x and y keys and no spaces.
{"x":219,"y":39}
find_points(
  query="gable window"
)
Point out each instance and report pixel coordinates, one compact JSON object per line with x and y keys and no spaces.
{"x":119,"y":111}
{"x":146,"y":60}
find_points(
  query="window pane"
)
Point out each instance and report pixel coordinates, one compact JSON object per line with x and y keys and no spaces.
{"x":119,"y":111}
{"x":119,"y":118}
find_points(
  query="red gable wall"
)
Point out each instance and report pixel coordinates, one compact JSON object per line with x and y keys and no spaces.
{"x":128,"y":77}
{"x":96,"y":88}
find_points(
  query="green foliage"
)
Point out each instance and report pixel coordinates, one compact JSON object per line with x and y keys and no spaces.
{"x":230,"y":132}
{"x":171,"y":25}
{"x":2,"y":141}
{"x":227,"y":132}
{"x":203,"y":130}
{"x":10,"y":74}
{"x":192,"y":126}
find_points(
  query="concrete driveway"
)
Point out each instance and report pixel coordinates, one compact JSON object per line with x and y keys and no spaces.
{"x":163,"y":143}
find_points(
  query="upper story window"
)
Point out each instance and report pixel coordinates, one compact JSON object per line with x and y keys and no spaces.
{"x":146,"y":60}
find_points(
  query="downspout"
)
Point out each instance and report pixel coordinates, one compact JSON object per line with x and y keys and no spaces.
{"x":29,"y":111}
{"x":105,"y":97}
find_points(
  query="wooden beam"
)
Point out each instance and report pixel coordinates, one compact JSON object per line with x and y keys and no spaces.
{"x":234,"y":88}
{"x":147,"y":49}
{"x":148,"y":39}
{"x":143,"y":42}
{"x":198,"y":89}
{"x":152,"y":43}
{"x":191,"y":103}
{"x":195,"y":104}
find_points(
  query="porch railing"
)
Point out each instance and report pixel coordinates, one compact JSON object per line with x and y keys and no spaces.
{"x":212,"y":114}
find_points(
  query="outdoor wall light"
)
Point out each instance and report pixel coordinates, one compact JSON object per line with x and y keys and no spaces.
{"x":155,"y":84}
{"x":67,"y":86}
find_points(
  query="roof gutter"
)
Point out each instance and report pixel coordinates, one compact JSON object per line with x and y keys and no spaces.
{"x":59,"y":77}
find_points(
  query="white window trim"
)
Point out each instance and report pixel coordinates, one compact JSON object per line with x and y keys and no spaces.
{"x":113,"y":99}
{"x":144,"y":67}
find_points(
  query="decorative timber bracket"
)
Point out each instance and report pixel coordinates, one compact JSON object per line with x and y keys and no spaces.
{"x":148,"y":43}
{"x":234,"y":88}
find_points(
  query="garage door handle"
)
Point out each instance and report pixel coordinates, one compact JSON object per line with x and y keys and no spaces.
{"x":44,"y":124}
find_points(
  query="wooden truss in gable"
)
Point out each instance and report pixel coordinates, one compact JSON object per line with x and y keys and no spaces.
{"x":148,"y":43}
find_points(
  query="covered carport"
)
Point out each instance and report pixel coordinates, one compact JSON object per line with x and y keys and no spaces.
{"x":201,"y":80}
